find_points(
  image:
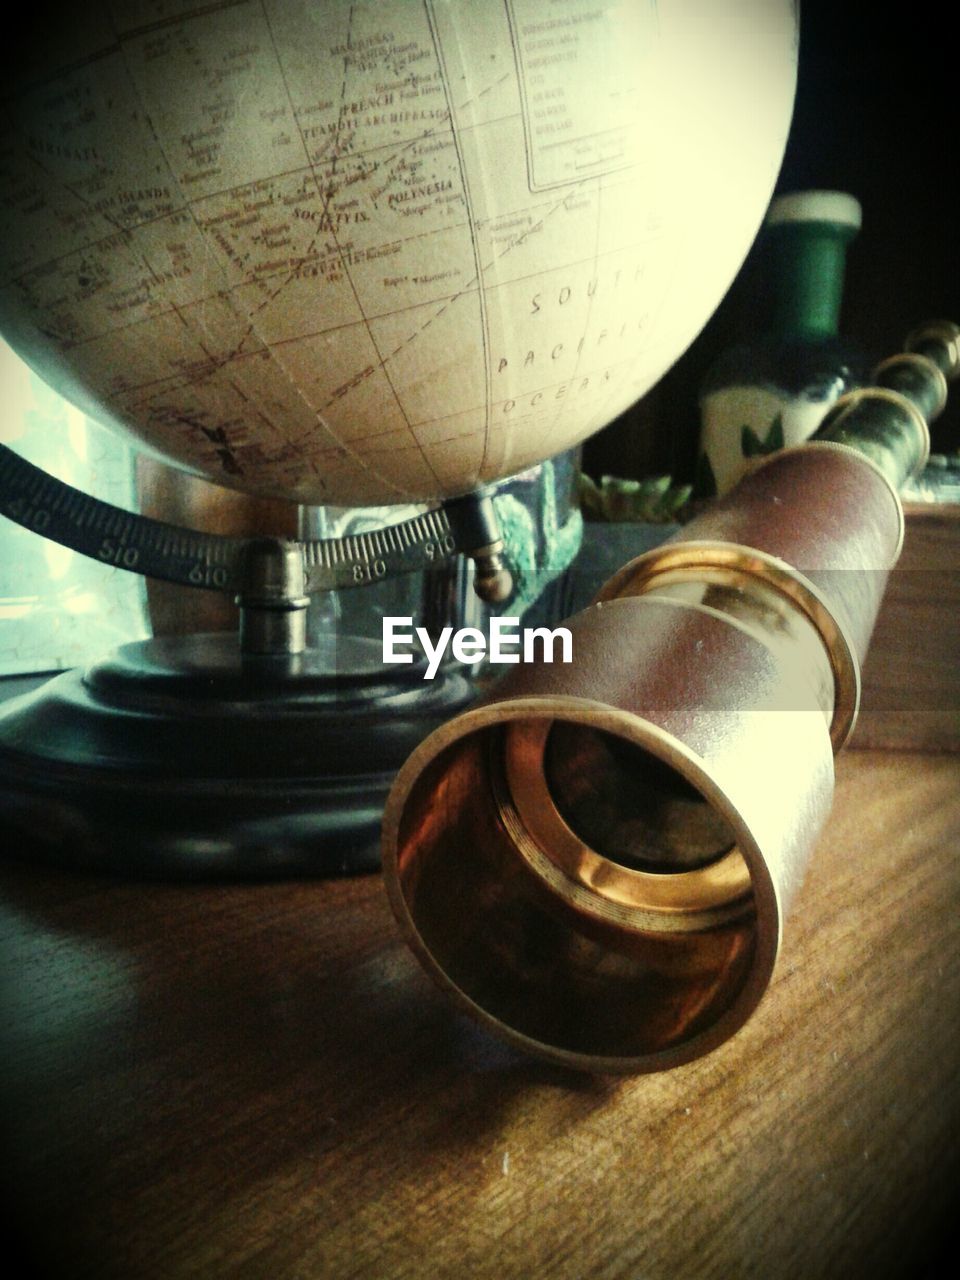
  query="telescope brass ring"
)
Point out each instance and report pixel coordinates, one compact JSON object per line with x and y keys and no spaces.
{"x":944,"y":331}
{"x":642,"y":575}
{"x":851,"y":400}
{"x":676,"y":901}
{"x":929,"y":367}
{"x":839,"y":446}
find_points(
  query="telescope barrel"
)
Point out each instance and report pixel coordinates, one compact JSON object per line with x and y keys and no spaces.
{"x":597,"y":862}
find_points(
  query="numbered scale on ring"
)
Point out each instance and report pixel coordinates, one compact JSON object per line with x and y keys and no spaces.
{"x":213,"y":754}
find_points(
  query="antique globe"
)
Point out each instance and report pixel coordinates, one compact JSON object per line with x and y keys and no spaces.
{"x":369,"y":253}
{"x":342,"y":255}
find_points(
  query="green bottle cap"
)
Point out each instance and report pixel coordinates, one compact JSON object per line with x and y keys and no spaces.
{"x":806,"y":235}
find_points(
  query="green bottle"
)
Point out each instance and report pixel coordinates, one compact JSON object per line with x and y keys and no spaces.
{"x":774,"y":390}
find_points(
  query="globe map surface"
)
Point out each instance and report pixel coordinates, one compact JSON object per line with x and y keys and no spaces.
{"x":374,"y":253}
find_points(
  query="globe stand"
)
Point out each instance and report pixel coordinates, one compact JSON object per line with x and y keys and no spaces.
{"x":205,"y":756}
{"x":182,"y":757}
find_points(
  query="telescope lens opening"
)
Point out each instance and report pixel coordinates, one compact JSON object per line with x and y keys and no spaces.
{"x":548,"y":950}
{"x":629,"y":806}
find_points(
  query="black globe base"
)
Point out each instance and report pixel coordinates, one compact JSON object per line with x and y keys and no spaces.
{"x":180,"y":758}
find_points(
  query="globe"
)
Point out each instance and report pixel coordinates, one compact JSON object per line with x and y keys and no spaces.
{"x":368,"y":253}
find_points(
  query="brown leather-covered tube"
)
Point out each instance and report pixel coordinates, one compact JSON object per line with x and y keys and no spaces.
{"x":819,"y":524}
{"x":827,"y":513}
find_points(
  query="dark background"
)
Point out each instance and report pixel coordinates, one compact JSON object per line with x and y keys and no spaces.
{"x":876,"y":114}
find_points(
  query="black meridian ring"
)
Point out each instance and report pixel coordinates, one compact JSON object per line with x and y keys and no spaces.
{"x":97,"y":529}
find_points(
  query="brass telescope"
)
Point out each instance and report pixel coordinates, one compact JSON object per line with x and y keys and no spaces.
{"x":597,"y":861}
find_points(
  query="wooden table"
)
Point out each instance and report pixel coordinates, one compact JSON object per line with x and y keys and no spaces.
{"x":257,"y":1082}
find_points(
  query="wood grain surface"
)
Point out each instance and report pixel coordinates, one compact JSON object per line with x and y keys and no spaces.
{"x":257,"y":1082}
{"x":911,"y":678}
